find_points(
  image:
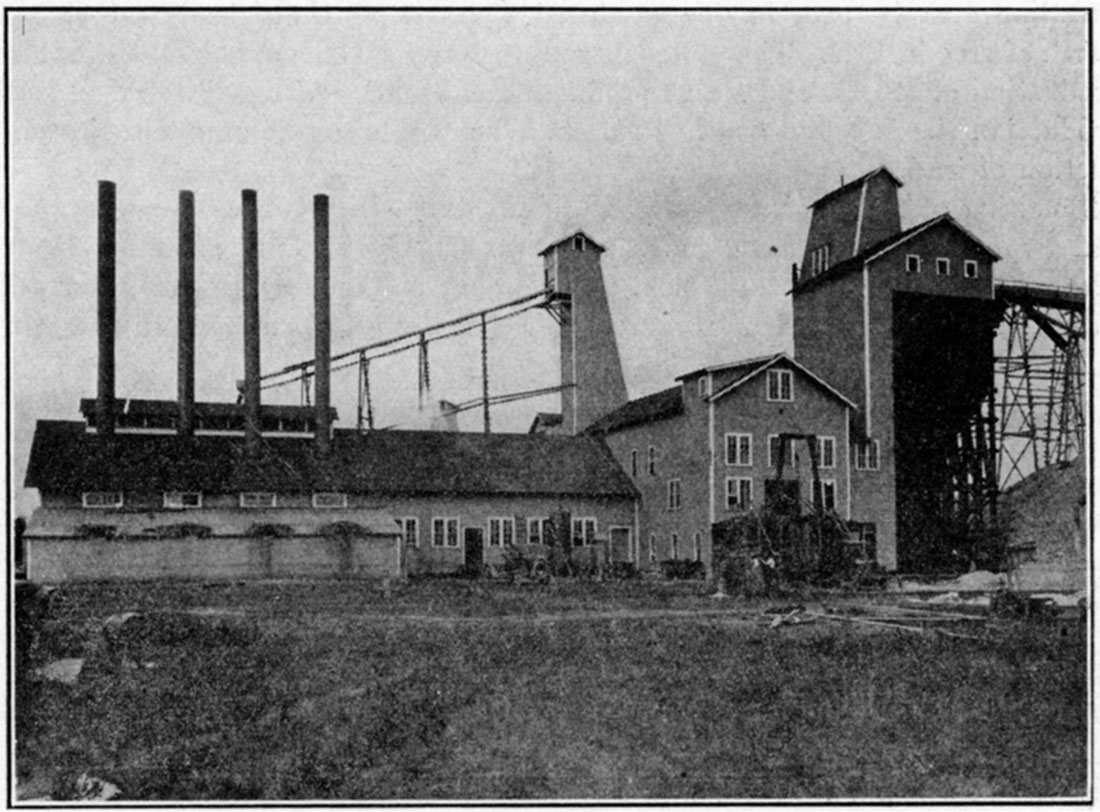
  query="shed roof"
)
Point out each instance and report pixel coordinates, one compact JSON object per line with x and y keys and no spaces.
{"x":883,"y":246}
{"x":65,"y":458}
{"x":658,"y":406}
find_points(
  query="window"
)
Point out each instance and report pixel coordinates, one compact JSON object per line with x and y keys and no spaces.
{"x":819,"y":260}
{"x":102,"y":499}
{"x":444,"y":532}
{"x":410,"y":530}
{"x":584,"y":531}
{"x":578,"y":242}
{"x":258,"y":499}
{"x":826,"y":452}
{"x":180,"y":500}
{"x":774,"y":449}
{"x":696,"y":547}
{"x":550,"y":269}
{"x":738,"y":493}
{"x":536,"y":531}
{"x":634,"y":462}
{"x":912,"y":263}
{"x":502,"y":532}
{"x":867,"y":455}
{"x":779,"y":384}
{"x":652,"y":461}
{"x":828,"y":493}
{"x":674,"y":497}
{"x":970,"y":268}
{"x":703,"y":386}
{"x":652,"y":546}
{"x":943,"y":266}
{"x":675,"y":545}
{"x":330,"y":500}
{"x":738,"y":449}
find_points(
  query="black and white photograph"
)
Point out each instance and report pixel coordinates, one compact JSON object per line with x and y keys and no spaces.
{"x":533,"y":405}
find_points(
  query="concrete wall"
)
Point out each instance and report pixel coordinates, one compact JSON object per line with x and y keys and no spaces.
{"x":589,"y":351}
{"x":57,"y":560}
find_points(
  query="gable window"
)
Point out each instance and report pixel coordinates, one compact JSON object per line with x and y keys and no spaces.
{"x":738,"y":449}
{"x":181,"y":500}
{"x":578,"y":242}
{"x":703,"y":386}
{"x":738,"y":493}
{"x":779,"y":385}
{"x":943,"y":266}
{"x":444,"y":532}
{"x":584,"y":531}
{"x":257,"y":499}
{"x":101,"y":499}
{"x":970,"y":268}
{"x":819,"y":260}
{"x":826,"y":452}
{"x":330,"y":500}
{"x":774,"y":447}
{"x":867,"y":455}
{"x":912,"y":263}
{"x":502,"y":532}
{"x":826,"y":492}
{"x":696,"y":546}
{"x":675,"y":545}
{"x":537,"y":531}
{"x":652,"y":461}
{"x":674,"y":496}
{"x":634,"y":462}
{"x":410,"y":531}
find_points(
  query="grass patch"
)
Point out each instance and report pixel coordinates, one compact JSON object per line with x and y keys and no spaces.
{"x":334,"y":702}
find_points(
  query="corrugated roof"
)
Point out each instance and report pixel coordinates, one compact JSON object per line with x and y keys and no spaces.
{"x":882,"y":246}
{"x":65,"y":458}
{"x":855,"y":184}
{"x":658,"y":406}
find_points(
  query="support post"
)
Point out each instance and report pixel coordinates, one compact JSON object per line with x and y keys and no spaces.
{"x":485,"y":371}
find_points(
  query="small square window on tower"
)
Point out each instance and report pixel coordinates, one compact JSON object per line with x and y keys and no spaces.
{"x":970,"y":268}
{"x":943,"y":266}
{"x":912,"y":263}
{"x":578,"y":242}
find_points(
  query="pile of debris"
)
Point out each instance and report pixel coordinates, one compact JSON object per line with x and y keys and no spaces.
{"x":1044,"y":519}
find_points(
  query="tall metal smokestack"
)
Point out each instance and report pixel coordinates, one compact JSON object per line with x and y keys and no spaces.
{"x":105,"y":391}
{"x":186,"y":424}
{"x":322,"y":328}
{"x":251,"y":322}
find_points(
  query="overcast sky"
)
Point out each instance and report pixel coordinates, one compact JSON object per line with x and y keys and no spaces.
{"x":455,"y":146}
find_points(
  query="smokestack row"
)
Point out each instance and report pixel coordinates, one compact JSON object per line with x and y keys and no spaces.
{"x":105,"y":392}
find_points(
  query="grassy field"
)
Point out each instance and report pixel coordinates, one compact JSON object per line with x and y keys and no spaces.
{"x":456,"y":690}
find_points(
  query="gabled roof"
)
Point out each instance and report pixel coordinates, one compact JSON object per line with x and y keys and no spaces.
{"x":889,"y":244}
{"x":65,"y":458}
{"x":545,"y":420}
{"x":855,"y":184}
{"x":658,"y":406}
{"x":588,"y":239}
{"x":750,"y":369}
{"x":727,"y":366}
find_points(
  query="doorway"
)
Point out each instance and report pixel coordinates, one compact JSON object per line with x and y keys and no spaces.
{"x":474,"y":549}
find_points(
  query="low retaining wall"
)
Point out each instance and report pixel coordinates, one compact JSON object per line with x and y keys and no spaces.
{"x":55,"y":560}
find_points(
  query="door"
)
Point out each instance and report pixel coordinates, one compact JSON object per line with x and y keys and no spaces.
{"x":474,"y":547}
{"x":620,"y":544}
